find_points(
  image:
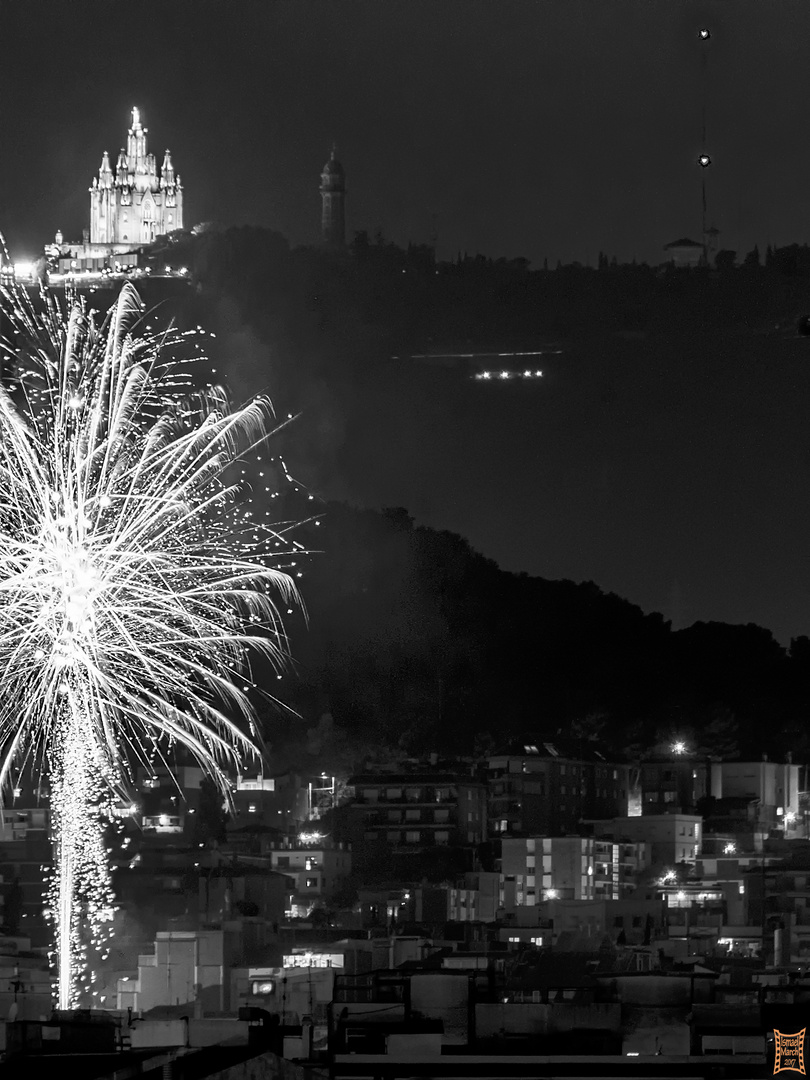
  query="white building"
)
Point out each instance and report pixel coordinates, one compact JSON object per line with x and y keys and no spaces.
{"x":316,"y":868}
{"x":672,"y":838}
{"x":129,"y":208}
{"x":539,"y":868}
{"x":186,"y":966}
{"x":136,"y":203}
{"x":774,"y":785}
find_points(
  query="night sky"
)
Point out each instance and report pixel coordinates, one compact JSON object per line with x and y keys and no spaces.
{"x":677,"y":477}
{"x":512,"y":127}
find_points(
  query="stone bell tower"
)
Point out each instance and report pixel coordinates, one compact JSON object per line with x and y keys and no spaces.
{"x":333,"y":197}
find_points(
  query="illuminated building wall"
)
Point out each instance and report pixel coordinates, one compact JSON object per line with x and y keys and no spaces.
{"x":261,"y":802}
{"x":135,"y":203}
{"x":316,"y":869}
{"x":186,"y":966}
{"x":535,"y":869}
{"x":774,"y":784}
{"x":540,"y":868}
{"x":673,"y":838}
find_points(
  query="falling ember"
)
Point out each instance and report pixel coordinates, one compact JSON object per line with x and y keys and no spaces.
{"x":133,"y":586}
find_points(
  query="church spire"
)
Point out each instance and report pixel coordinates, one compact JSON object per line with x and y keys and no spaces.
{"x":167,"y":171}
{"x":122,"y":169}
{"x":105,"y":176}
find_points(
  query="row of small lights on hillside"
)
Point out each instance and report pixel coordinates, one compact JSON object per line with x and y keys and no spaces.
{"x":24,"y":272}
{"x":508,"y":375}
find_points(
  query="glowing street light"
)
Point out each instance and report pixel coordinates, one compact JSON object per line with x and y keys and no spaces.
{"x":704,"y":34}
{"x":679,"y":747}
{"x":704,"y":161}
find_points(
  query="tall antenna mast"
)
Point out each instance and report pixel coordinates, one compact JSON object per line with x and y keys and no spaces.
{"x":704,"y":161}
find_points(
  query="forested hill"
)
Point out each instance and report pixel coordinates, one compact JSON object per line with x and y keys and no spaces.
{"x":376,"y":296}
{"x":416,"y":640}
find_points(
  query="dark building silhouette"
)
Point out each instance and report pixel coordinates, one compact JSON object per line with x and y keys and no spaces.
{"x":333,"y":198}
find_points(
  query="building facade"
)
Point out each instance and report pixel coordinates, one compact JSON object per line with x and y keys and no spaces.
{"x":317,"y":870}
{"x":420,"y":810}
{"x":135,"y":203}
{"x":773,"y":785}
{"x":539,"y":868}
{"x":542,"y":791}
{"x":672,"y":838}
{"x":669,"y":785}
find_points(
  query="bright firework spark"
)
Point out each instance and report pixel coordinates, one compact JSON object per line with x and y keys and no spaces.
{"x":132,"y":585}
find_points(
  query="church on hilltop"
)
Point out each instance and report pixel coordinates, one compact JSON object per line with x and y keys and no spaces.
{"x":129,"y":208}
{"x":135,"y":204}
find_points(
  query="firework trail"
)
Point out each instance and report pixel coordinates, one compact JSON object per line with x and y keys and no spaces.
{"x":133,"y":584}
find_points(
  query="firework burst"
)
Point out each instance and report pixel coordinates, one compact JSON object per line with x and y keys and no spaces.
{"x":133,"y":579}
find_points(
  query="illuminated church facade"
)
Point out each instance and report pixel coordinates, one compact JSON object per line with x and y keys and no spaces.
{"x":135,"y":203}
{"x":129,"y":208}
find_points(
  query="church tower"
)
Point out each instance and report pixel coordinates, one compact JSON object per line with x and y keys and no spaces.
{"x":134,"y":205}
{"x":333,"y":197}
